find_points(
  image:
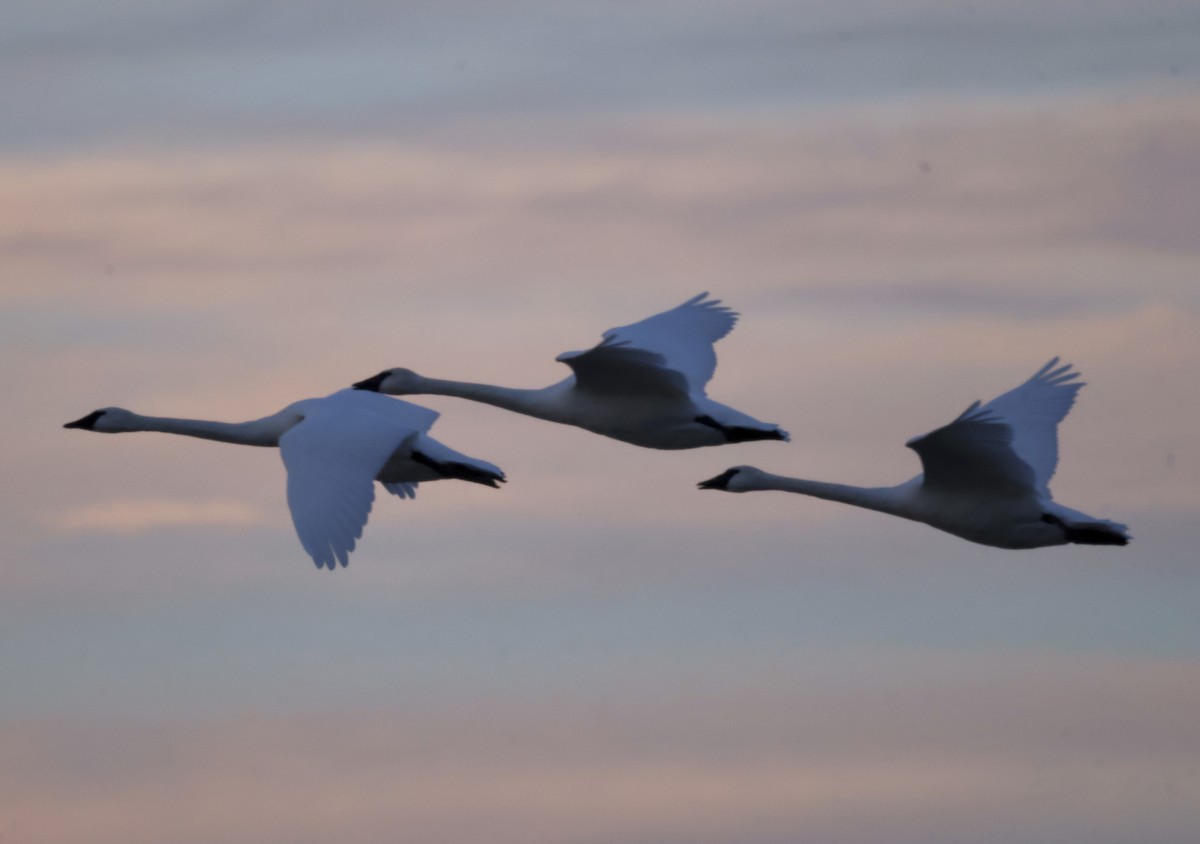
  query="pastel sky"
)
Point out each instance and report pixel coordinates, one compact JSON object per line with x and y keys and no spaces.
{"x":215,"y":208}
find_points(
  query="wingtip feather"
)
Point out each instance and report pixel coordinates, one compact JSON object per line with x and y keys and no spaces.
{"x":1054,"y":374}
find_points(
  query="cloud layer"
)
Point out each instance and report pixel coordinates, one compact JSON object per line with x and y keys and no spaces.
{"x":202,"y":71}
{"x":215,"y":209}
{"x":163,"y":282}
{"x":137,"y":515}
{"x":1069,"y":749}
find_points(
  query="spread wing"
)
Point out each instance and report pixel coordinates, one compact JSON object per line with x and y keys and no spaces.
{"x":1033,"y":410}
{"x":1010,"y":443}
{"x":972,"y":452}
{"x":668,"y":353}
{"x":332,"y":457}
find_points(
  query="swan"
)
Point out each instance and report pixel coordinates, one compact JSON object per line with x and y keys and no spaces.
{"x":642,"y":384}
{"x":333,"y":449}
{"x":986,"y":474}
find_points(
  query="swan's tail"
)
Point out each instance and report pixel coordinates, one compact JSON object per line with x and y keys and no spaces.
{"x":1097,"y":533}
{"x":476,"y":474}
{"x":752,"y":431}
{"x":448,"y":463}
{"x":1089,"y":531}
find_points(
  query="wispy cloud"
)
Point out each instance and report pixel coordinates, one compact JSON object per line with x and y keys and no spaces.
{"x":137,"y":515}
{"x":1075,"y":750}
{"x":484,"y":264}
{"x":980,"y":193}
{"x":215,"y":208}
{"x":137,"y":69}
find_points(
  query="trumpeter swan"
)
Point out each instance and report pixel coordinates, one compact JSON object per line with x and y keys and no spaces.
{"x":986,"y":475}
{"x":333,"y":449}
{"x":642,"y":384}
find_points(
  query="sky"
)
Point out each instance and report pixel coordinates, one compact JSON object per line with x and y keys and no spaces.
{"x":213,"y":209}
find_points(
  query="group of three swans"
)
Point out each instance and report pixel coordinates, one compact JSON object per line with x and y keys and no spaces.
{"x":985,"y":476}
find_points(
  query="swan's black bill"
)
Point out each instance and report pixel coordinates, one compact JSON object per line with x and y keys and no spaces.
{"x":721,"y":481}
{"x":88,"y":422}
{"x":373,"y":383}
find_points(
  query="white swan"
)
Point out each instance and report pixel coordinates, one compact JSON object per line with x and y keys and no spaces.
{"x":333,"y":448}
{"x":643,"y":384}
{"x":986,"y":475}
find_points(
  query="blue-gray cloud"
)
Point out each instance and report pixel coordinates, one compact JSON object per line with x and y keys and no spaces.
{"x":484,"y":607}
{"x":1074,"y":751}
{"x":206,"y":72}
{"x":948,"y":299}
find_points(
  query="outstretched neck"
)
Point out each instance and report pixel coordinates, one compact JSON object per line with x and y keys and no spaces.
{"x":260,"y":432}
{"x":886,"y":499}
{"x":508,"y":398}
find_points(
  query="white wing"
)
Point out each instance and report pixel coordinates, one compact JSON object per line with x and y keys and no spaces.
{"x":396,"y":410}
{"x":1033,"y":410}
{"x":1009,"y":443}
{"x":974,"y":452}
{"x":671,"y":352}
{"x":332,"y":458}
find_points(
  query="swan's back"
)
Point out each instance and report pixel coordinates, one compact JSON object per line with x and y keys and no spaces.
{"x":1034,"y":410}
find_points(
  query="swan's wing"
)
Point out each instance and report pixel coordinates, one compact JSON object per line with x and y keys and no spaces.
{"x":402,"y":489}
{"x":671,"y":352}
{"x":974,"y":452}
{"x":613,"y":367}
{"x":398,"y":411}
{"x":1033,"y":410}
{"x":332,"y":458}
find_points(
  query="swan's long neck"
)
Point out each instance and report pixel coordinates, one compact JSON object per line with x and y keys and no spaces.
{"x":508,"y":398}
{"x":261,"y":432}
{"x":886,"y":499}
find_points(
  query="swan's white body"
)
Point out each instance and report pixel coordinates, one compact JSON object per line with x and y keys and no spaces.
{"x":334,"y":449}
{"x":986,"y":474}
{"x":642,"y":384}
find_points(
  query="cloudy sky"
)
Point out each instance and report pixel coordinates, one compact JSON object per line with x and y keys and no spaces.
{"x":215,"y":208}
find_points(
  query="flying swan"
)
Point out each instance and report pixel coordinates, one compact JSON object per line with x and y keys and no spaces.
{"x":642,"y":384}
{"x":986,"y":475}
{"x":333,"y":449}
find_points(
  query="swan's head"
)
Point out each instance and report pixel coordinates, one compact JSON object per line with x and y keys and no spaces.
{"x":106,"y":420}
{"x":737,"y":479}
{"x":393,"y":382}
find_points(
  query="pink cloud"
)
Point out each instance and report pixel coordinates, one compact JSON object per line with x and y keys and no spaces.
{"x":939,"y":747}
{"x":124,"y":515}
{"x":980,"y":189}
